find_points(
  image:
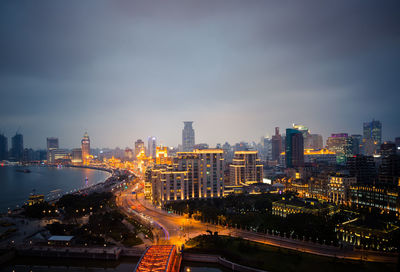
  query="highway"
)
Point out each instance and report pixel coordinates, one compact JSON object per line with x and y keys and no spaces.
{"x":176,"y":229}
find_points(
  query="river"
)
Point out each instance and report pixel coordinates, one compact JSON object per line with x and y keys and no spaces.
{"x":15,"y":187}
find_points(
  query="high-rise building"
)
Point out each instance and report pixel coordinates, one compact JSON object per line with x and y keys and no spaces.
{"x":3,"y":147}
{"x":389,"y":171}
{"x":276,"y":144}
{"x":139,"y":146}
{"x":341,"y":144}
{"x":246,"y":168}
{"x":357,"y":144}
{"x":151,"y":146}
{"x":188,"y":137}
{"x":294,"y":148}
{"x":17,"y":147}
{"x":196,"y":174}
{"x":372,"y":136}
{"x":52,"y":144}
{"x":85,"y":143}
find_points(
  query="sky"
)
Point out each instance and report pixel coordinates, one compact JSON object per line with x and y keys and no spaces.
{"x":124,"y":70}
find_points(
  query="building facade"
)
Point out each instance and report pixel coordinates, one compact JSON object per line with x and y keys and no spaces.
{"x":52,"y":144}
{"x":294,"y":148}
{"x":188,"y":140}
{"x":85,"y":145}
{"x":3,"y":147}
{"x":17,"y":147}
{"x":246,"y":168}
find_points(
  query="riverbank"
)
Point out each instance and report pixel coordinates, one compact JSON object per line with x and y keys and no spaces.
{"x":49,"y":181}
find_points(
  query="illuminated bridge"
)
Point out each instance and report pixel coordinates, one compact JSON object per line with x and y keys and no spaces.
{"x":159,"y":258}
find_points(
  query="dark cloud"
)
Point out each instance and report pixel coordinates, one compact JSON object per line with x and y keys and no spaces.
{"x":237,"y":68}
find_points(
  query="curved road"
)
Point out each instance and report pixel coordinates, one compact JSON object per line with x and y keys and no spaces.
{"x":177,"y":229}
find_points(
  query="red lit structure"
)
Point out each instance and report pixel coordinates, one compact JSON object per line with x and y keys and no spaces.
{"x":158,"y":258}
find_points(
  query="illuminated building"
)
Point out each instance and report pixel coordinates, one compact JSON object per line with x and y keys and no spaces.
{"x":188,"y":139}
{"x":60,"y":156}
{"x":76,"y":156}
{"x":151,"y":146}
{"x":338,"y":188}
{"x":139,"y":146}
{"x":381,"y":197}
{"x":3,"y":147}
{"x":294,"y":148}
{"x":246,"y":168}
{"x":293,"y":205}
{"x":52,"y":144}
{"x":276,"y":143}
{"x":162,"y":155}
{"x":372,"y":134}
{"x":197,"y":174}
{"x":85,"y":148}
{"x":17,"y":147}
{"x":35,"y":199}
{"x":342,"y":145}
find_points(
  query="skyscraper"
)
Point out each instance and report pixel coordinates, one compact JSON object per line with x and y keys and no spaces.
{"x":139,"y":146}
{"x":52,"y":144}
{"x":3,"y":147}
{"x":188,"y":137}
{"x":372,"y":136}
{"x":17,"y":147}
{"x":151,"y":146}
{"x":294,"y":148}
{"x":85,"y":148}
{"x":276,"y":143}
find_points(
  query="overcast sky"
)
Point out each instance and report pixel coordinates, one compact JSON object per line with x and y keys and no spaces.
{"x":124,"y":70}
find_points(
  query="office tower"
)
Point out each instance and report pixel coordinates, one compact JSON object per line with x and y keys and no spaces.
{"x":372,"y":136}
{"x":3,"y":147}
{"x":294,"y":148}
{"x":76,"y":156}
{"x":357,"y":144}
{"x":139,"y":146}
{"x":188,"y":137}
{"x":151,"y":146}
{"x":363,"y":168}
{"x":52,"y":144}
{"x":85,"y":143}
{"x":341,"y":145}
{"x":246,"y":168}
{"x":201,"y":146}
{"x":17,"y":147}
{"x":276,"y":143}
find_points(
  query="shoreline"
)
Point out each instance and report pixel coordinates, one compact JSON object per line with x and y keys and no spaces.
{"x":73,"y":191}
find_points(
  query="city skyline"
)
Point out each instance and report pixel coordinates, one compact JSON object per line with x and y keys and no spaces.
{"x":236,"y":69}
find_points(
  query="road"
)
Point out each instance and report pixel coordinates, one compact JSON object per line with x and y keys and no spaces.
{"x":177,"y":229}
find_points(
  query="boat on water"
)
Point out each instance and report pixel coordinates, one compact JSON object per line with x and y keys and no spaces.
{"x":23,"y":170}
